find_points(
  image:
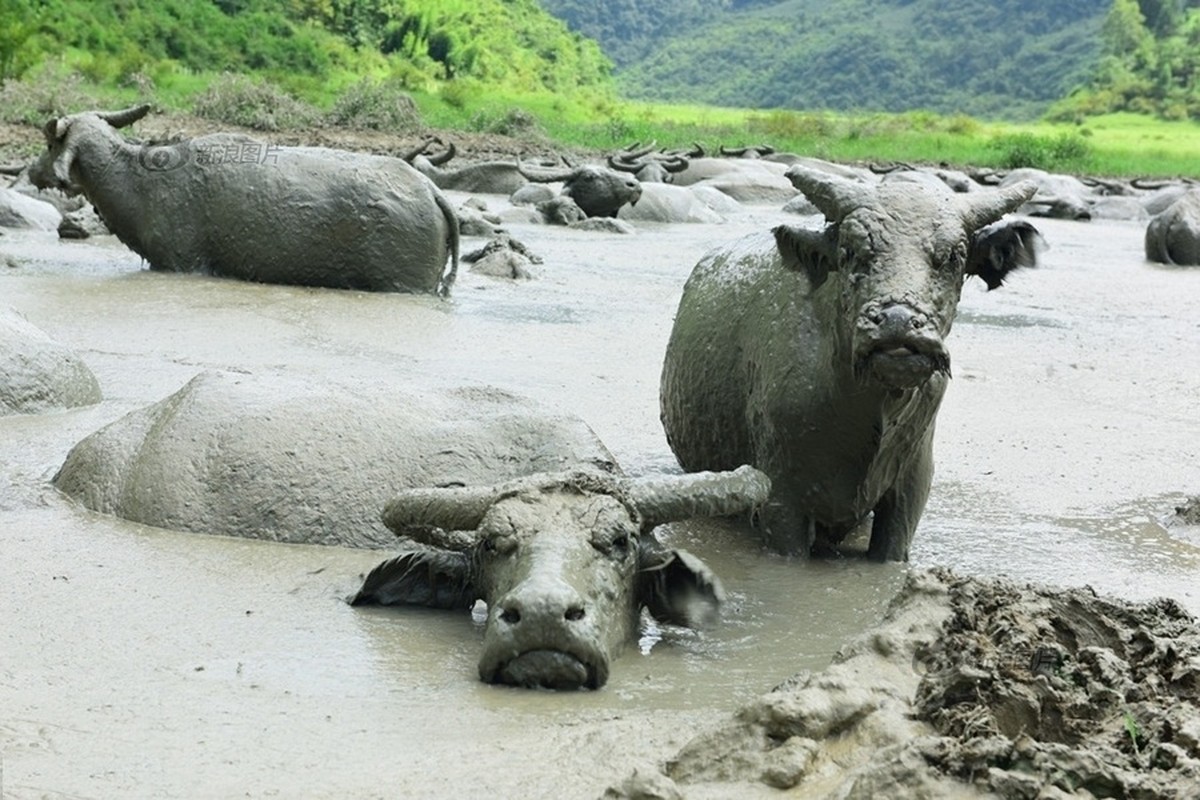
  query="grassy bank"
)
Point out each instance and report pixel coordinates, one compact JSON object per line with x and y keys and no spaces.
{"x":1113,"y":145}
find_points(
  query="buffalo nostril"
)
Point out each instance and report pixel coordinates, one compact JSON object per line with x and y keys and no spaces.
{"x":511,"y":615}
{"x":574,"y":614}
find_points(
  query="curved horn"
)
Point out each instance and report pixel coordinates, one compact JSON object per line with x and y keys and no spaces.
{"x":833,"y":196}
{"x":675,"y":163}
{"x":442,"y":158}
{"x":623,"y":166}
{"x":1151,"y":184}
{"x":128,"y":116}
{"x":635,"y":151}
{"x":419,"y":149}
{"x":729,"y":151}
{"x":701,"y":494}
{"x":413,"y":512}
{"x":12,"y":169}
{"x":984,"y":208}
{"x":544,"y":175}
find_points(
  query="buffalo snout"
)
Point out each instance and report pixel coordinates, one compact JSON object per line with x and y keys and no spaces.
{"x":542,"y":636}
{"x":900,"y":347}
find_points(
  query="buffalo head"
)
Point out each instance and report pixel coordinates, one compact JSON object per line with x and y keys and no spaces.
{"x":66,"y":135}
{"x":599,"y":191}
{"x":565,"y":563}
{"x":897,"y":253}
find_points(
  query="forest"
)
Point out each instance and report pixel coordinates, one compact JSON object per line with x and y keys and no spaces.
{"x":1014,"y":60}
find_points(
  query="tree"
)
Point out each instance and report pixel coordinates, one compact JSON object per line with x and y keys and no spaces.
{"x":18,"y":22}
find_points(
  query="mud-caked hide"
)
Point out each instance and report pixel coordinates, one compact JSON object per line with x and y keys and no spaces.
{"x":565,"y":563}
{"x":819,"y":354}
{"x":237,"y":207}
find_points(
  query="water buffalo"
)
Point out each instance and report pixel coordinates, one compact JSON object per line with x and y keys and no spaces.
{"x":598,"y":191}
{"x":648,"y":166}
{"x":234,"y":206}
{"x":313,"y":462}
{"x":37,"y":373}
{"x":819,"y":356}
{"x":485,"y":177}
{"x":564,"y":562}
{"x":1173,"y":235}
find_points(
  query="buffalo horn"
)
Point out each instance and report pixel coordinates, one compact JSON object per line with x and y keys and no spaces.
{"x":127,"y":116}
{"x":622,"y":165}
{"x":833,"y":196}
{"x":544,"y":175}
{"x":984,"y":208}
{"x":414,"y":512}
{"x":635,"y":151}
{"x":702,"y":494}
{"x":441,"y":158}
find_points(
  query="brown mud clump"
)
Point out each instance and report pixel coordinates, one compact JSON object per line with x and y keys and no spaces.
{"x":972,"y":688}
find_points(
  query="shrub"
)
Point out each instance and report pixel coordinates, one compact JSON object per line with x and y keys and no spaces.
{"x":35,"y":99}
{"x":1041,"y":152}
{"x":381,"y":106}
{"x":513,"y":122}
{"x":258,"y":104}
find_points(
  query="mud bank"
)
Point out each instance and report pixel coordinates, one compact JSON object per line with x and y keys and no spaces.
{"x":971,"y":688}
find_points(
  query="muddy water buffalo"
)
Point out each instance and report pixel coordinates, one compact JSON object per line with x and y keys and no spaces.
{"x":598,"y":191}
{"x":234,"y":206}
{"x":819,"y":356}
{"x":1173,"y":236}
{"x":485,"y":177}
{"x":564,"y":562}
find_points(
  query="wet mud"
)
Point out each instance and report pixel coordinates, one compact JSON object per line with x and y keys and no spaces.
{"x":971,"y":687}
{"x":140,"y":662}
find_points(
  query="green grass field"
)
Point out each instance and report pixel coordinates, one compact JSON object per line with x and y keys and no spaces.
{"x":1116,"y":145}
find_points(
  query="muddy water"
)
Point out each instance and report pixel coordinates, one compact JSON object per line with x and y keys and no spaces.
{"x":136,"y":662}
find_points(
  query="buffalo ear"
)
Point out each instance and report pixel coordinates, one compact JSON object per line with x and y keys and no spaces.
{"x":677,"y":587}
{"x":1001,"y":247}
{"x":813,"y":252}
{"x":433,"y":578}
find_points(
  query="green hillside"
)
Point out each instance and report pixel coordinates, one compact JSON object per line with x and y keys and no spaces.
{"x":304,"y":45}
{"x":989,"y":58}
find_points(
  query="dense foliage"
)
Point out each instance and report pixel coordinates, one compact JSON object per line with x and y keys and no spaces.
{"x":510,"y":44}
{"x":1151,"y":62}
{"x":989,"y":58}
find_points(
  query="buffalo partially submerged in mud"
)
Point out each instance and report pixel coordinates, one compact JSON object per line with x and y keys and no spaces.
{"x":565,"y":563}
{"x":557,"y":543}
{"x":234,"y":206}
{"x":1173,"y":236}
{"x":597,"y":191}
{"x":819,"y":355}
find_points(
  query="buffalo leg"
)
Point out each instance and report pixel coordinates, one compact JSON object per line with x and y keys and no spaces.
{"x":899,"y":511}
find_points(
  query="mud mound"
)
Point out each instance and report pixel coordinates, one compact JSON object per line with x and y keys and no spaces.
{"x":1033,"y":687}
{"x":972,"y":688}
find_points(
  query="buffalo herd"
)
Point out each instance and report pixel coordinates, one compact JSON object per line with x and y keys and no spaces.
{"x":799,"y":389}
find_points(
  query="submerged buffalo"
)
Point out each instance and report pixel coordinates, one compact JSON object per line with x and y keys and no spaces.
{"x":1173,"y":235}
{"x":819,"y":355}
{"x":558,"y":544}
{"x":565,"y":563}
{"x":597,"y":191}
{"x":237,"y":207}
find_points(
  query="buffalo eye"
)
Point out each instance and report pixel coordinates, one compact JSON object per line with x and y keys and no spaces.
{"x":499,"y":544}
{"x":957,"y":260}
{"x":617,"y":543}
